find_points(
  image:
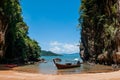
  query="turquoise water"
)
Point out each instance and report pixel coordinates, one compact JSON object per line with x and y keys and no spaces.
{"x":64,"y":57}
{"x":50,"y":68}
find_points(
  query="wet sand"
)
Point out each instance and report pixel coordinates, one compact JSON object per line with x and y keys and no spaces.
{"x":105,"y":73}
{"x":84,"y":68}
{"x":14,"y":75}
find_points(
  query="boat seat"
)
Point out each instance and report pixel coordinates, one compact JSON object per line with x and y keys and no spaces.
{"x":68,"y":63}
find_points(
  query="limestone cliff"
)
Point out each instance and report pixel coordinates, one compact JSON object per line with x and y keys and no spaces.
{"x":100,"y":34}
{"x":3,"y":28}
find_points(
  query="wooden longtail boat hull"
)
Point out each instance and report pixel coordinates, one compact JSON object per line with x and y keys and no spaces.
{"x":65,"y":66}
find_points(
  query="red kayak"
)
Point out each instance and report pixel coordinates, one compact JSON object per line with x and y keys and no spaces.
{"x":10,"y":65}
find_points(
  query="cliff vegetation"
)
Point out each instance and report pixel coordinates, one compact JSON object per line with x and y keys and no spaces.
{"x":100,"y":31}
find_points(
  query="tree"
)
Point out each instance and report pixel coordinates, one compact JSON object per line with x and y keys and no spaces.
{"x":15,"y":43}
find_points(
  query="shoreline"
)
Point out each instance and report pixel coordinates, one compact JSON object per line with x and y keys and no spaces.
{"x":86,"y":68}
{"x":15,"y":75}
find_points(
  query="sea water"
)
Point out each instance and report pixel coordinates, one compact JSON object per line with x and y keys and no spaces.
{"x":50,"y":68}
{"x":63,"y":57}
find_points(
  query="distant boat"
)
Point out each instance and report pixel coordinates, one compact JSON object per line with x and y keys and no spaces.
{"x":66,"y":66}
{"x":57,"y":60}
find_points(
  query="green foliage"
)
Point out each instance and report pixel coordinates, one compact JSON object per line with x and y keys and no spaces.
{"x":33,"y":48}
{"x":18,"y":44}
{"x":48,"y":53}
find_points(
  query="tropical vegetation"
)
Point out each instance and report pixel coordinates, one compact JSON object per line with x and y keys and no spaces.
{"x":48,"y":53}
{"x":15,"y":44}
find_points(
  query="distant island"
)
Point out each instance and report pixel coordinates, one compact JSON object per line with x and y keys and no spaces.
{"x":48,"y":53}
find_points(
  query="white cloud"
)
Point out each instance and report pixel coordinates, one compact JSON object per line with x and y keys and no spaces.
{"x":55,"y":43}
{"x":55,"y":49}
{"x":58,"y":47}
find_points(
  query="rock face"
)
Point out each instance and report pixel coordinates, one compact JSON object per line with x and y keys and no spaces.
{"x":100,"y":34}
{"x":116,"y":57}
{"x":3,"y":28}
{"x":105,"y":58}
{"x":117,"y":38}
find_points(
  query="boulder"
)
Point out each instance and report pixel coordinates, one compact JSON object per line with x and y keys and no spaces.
{"x":101,"y":59}
{"x":104,"y":58}
{"x":116,"y":57}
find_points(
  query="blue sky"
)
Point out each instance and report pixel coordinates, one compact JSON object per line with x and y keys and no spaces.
{"x":53,"y":23}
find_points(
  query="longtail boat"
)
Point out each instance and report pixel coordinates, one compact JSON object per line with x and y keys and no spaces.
{"x":66,"y":66}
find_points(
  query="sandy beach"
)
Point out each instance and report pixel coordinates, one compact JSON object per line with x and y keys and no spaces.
{"x":15,"y":75}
